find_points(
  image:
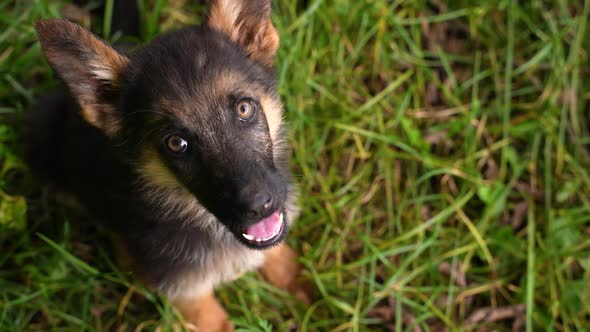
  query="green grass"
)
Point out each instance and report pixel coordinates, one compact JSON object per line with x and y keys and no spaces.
{"x":426,"y":139}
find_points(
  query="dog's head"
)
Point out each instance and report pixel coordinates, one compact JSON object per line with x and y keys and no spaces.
{"x":195,"y":109}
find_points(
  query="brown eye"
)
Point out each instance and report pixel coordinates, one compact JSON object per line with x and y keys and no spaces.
{"x":176,"y":144}
{"x":246,"y":109}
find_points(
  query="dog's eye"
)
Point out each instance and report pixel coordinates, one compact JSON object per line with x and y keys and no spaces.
{"x":246,"y":109}
{"x":176,"y":144}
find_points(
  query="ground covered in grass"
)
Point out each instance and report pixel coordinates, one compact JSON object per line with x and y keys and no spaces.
{"x":441,"y":149}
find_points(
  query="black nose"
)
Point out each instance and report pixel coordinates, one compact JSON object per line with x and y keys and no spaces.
{"x":257,"y":204}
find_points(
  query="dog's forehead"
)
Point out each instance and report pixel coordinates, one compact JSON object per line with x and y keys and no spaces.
{"x":210,"y":97}
{"x":187,"y":58}
{"x":197,"y":83}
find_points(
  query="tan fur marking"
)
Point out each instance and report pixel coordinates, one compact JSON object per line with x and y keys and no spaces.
{"x":282,"y":270}
{"x":226,"y":81}
{"x":265,"y":44}
{"x":99,"y":116}
{"x":253,"y":31}
{"x":223,"y":16}
{"x":89,"y":114}
{"x":204,"y":314}
{"x":273,"y":110}
{"x":156,"y":172}
{"x":162,"y":188}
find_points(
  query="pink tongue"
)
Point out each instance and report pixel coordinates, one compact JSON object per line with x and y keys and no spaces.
{"x":266,"y":227}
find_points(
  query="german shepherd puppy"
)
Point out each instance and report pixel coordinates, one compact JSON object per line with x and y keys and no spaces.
{"x":179,"y":148}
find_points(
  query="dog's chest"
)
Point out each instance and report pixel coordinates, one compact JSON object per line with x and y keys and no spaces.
{"x":206,"y":270}
{"x":192,"y":251}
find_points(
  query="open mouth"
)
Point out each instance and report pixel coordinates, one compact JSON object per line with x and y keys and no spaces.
{"x":267,"y":231}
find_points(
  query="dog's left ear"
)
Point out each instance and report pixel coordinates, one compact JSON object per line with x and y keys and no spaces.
{"x":247,"y":23}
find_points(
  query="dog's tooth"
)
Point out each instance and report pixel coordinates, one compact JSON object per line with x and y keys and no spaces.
{"x":248,"y":236}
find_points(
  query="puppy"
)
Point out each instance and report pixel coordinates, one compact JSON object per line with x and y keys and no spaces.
{"x":179,"y":149}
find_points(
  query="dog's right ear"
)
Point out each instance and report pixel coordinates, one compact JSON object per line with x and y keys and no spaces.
{"x":91,"y":69}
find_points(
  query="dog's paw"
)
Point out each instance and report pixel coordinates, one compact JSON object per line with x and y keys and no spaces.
{"x":302,"y":290}
{"x":204,"y":314}
{"x":282,"y":270}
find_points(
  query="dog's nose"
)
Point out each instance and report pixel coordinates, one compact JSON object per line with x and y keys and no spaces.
{"x":257,"y":204}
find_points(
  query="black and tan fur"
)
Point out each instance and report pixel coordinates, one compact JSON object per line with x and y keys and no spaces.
{"x":179,"y":216}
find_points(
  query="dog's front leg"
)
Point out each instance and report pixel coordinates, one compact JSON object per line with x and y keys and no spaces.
{"x":282,"y":270}
{"x":204,"y":314}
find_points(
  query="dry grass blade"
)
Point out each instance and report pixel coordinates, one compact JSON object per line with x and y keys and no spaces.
{"x":489,"y":314}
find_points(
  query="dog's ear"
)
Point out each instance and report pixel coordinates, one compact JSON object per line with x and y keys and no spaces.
{"x":91,"y":69}
{"x":247,"y":23}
